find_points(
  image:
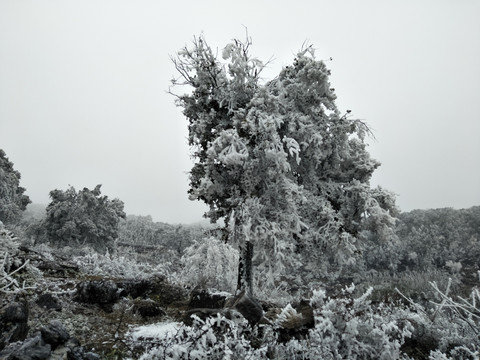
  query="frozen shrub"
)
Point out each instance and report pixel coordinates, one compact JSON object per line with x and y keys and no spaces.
{"x":210,"y":263}
{"x":454,"y":323}
{"x":116,"y":265}
{"x":349,"y":328}
{"x":8,"y":249}
{"x":215,"y":338}
{"x":10,"y":263}
{"x":345,"y":328}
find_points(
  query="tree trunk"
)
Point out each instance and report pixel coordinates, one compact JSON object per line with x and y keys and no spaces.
{"x":245,"y":268}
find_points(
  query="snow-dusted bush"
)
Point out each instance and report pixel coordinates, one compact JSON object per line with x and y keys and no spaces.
{"x":348,"y":328}
{"x":214,"y":338}
{"x":345,"y":328}
{"x":10,"y":263}
{"x":414,"y":284}
{"x":8,"y":248}
{"x":453,"y":321}
{"x":115,"y":265}
{"x":210,"y":263}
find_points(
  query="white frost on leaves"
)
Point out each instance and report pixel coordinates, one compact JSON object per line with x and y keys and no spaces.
{"x":293,"y":148}
{"x":228,"y":148}
{"x":210,"y":262}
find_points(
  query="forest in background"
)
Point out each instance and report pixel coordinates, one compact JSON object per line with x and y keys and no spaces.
{"x":433,"y":263}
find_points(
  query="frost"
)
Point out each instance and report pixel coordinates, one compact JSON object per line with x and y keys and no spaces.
{"x":158,"y":331}
{"x":210,"y":263}
{"x":293,"y":148}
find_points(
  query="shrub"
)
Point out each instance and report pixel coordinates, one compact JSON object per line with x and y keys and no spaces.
{"x":115,"y":265}
{"x":210,"y":263}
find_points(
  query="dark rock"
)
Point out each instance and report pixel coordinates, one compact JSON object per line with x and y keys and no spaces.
{"x":48,"y":301}
{"x":157,"y":288}
{"x":54,"y":333}
{"x":201,"y":298}
{"x":58,"y":268}
{"x":165,"y":293}
{"x":97,"y":292}
{"x":76,"y":353}
{"x":248,"y":306}
{"x":135,"y":288}
{"x":15,"y":312}
{"x":13,"y":323}
{"x":31,"y":349}
{"x":148,"y":308}
{"x":91,"y":356}
{"x":73,"y":351}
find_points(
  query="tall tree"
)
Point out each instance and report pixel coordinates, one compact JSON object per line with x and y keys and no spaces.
{"x":278,"y":160}
{"x":83,"y":218}
{"x":13,"y":201}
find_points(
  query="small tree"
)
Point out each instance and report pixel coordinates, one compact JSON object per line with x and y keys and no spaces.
{"x":83,"y":218}
{"x":12,"y":199}
{"x":279,"y":162}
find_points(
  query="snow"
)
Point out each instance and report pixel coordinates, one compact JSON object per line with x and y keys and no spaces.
{"x":163,"y":330}
{"x":220,"y":293}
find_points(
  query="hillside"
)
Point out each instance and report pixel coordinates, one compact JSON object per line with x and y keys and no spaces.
{"x":138,"y":302}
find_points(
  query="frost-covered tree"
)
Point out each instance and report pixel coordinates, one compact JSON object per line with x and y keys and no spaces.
{"x":13,"y":201}
{"x":278,"y":161}
{"x":83,"y":218}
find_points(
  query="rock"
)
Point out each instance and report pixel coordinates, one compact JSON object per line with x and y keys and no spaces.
{"x":165,"y":293}
{"x":91,"y":356}
{"x":54,"y":337}
{"x":54,"y":333}
{"x":31,"y":349}
{"x":75,"y":353}
{"x":148,"y":308}
{"x":13,"y":323}
{"x":72,"y":350}
{"x":57,"y":267}
{"x":97,"y":292}
{"x":201,"y":298}
{"x":246,"y":305}
{"x":135,"y":288}
{"x":48,"y":301}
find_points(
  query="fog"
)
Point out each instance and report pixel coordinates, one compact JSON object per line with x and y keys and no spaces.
{"x":84,"y":101}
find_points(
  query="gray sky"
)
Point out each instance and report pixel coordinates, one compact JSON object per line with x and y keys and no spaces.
{"x":83,"y":90}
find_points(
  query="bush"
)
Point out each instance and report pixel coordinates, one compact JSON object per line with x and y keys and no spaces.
{"x":345,"y":328}
{"x":211,"y":339}
{"x":10,"y":263}
{"x":116,"y":265}
{"x":210,"y":263}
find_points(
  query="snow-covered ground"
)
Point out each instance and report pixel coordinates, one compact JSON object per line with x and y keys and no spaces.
{"x":157,"y":331}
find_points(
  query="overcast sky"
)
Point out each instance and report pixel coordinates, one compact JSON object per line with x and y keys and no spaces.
{"x":83,"y":86}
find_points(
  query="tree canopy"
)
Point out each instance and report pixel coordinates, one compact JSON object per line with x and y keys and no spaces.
{"x":83,"y":218}
{"x":279,"y":161}
{"x":13,"y":201}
